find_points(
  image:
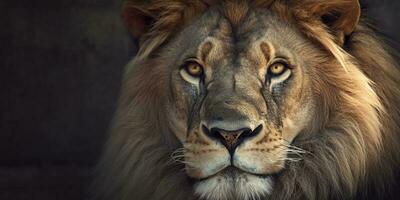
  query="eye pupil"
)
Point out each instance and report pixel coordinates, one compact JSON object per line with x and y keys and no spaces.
{"x":194,"y":69}
{"x":277,"y":69}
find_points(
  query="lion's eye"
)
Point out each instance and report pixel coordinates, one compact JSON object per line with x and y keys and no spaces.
{"x":278,"y":73}
{"x":192,"y":72}
{"x":277,"y":69}
{"x":194,"y":69}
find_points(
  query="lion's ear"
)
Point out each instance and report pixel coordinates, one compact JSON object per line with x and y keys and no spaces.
{"x":137,"y":18}
{"x":162,"y":15}
{"x":340,"y":16}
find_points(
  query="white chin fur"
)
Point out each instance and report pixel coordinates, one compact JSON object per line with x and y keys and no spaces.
{"x":241,"y":186}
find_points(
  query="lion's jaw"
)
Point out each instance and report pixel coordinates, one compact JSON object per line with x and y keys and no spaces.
{"x":232,"y":183}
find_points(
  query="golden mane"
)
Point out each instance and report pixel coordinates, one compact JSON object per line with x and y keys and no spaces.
{"x":363,"y":157}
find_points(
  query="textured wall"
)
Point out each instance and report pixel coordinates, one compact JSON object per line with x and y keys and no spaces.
{"x":61,"y":64}
{"x":60,"y":78}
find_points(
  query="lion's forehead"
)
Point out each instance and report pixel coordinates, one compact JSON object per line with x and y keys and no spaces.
{"x":218,"y":40}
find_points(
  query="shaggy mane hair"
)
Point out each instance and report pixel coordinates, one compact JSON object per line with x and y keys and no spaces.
{"x":355,"y":154}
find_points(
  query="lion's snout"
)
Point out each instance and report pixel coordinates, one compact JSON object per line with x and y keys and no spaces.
{"x":231,"y":139}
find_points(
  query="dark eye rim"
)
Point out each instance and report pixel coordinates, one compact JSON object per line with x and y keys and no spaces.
{"x":187,"y":64}
{"x":272,"y":75}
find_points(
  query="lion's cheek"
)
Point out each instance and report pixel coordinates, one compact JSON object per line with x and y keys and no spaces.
{"x":204,"y":163}
{"x":177,"y":115}
{"x":260,"y":162}
{"x":297,"y":121}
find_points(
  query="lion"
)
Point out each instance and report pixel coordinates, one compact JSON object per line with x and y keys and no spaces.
{"x":253,"y":99}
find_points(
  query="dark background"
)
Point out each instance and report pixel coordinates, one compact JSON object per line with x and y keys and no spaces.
{"x":61,"y":64}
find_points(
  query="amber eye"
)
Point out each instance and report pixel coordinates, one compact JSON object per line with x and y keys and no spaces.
{"x":277,"y":69}
{"x":194,"y":69}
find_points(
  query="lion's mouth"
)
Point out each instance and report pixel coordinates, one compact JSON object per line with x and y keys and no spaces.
{"x":233,"y":172}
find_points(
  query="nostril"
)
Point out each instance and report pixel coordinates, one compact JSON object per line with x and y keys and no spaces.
{"x":213,"y":133}
{"x":206,"y":130}
{"x":249,"y":133}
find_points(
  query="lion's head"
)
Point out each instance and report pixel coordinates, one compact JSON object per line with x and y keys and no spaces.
{"x":252,"y":100}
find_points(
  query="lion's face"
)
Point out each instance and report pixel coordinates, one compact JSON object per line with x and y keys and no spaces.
{"x":255,"y":99}
{"x":241,"y":94}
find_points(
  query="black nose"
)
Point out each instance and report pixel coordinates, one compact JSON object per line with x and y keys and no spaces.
{"x":231,"y":139}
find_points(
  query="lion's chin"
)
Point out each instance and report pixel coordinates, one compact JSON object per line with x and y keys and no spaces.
{"x":232,"y":183}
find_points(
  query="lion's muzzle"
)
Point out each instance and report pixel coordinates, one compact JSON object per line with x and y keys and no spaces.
{"x":231,"y":139}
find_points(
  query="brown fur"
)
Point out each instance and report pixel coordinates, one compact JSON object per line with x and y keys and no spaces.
{"x":366,"y":113}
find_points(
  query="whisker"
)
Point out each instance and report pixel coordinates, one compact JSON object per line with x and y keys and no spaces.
{"x":293,"y":147}
{"x":177,"y":156}
{"x":291,"y":159}
{"x":295,"y":152}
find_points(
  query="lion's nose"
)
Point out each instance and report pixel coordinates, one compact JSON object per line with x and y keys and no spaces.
{"x":231,"y":139}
